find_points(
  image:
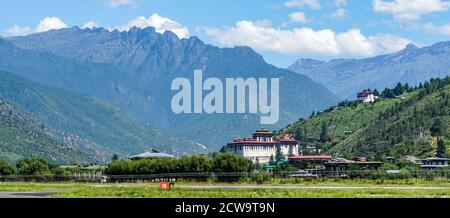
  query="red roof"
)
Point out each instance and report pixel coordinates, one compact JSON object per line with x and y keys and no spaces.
{"x":251,"y":142}
{"x":311,"y":157}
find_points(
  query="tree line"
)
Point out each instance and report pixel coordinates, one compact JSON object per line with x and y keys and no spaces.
{"x":216,"y":163}
{"x":31,"y":167}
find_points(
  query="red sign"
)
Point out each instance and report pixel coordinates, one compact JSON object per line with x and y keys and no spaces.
{"x":164,"y":185}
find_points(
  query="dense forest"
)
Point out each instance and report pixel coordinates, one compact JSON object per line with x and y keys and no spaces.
{"x":403,"y":121}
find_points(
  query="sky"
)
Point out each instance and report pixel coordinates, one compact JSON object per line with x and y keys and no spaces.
{"x":280,"y":30}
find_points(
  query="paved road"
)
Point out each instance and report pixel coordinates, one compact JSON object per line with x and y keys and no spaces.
{"x":24,"y":195}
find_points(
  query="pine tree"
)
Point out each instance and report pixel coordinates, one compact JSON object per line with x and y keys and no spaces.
{"x":312,"y":115}
{"x":437,"y":128}
{"x":376,"y":92}
{"x":441,"y":148}
{"x":115,"y":157}
{"x":324,"y":133}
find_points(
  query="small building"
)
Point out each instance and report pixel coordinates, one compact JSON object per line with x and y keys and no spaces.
{"x":434,"y":163}
{"x":151,"y":155}
{"x":339,"y":166}
{"x":316,"y":163}
{"x":366,"y":96}
{"x":263,"y":146}
{"x":270,"y":167}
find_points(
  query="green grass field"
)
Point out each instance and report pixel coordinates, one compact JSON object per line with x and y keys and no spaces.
{"x":185,"y":190}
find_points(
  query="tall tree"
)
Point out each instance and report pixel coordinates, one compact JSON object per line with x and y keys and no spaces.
{"x":438,"y":128}
{"x":376,"y":92}
{"x":115,"y":157}
{"x":324,"y":133}
{"x":441,"y":148}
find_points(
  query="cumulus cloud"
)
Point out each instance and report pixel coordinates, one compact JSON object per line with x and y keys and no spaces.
{"x":314,"y":4}
{"x":119,"y":3}
{"x":46,"y":24}
{"x":18,"y":31}
{"x":50,"y":23}
{"x":160,"y":23}
{"x":298,"y":17}
{"x":306,"y":41}
{"x":410,"y":9}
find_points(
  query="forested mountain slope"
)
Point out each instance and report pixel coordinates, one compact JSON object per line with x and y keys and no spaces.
{"x":408,"y":124}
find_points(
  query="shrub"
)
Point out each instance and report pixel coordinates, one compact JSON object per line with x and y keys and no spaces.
{"x":5,"y":169}
{"x":34,"y":167}
{"x":230,"y":163}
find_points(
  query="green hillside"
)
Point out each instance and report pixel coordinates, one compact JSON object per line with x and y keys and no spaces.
{"x":407,"y":124}
{"x":22,"y":136}
{"x":87,"y":123}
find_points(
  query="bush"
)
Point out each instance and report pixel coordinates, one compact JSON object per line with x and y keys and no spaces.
{"x":227,"y":162}
{"x":5,"y":169}
{"x":230,"y":163}
{"x":33,"y":167}
{"x":389,"y":166}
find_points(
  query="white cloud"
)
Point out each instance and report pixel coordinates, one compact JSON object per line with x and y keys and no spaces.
{"x":18,"y":31}
{"x":339,"y":13}
{"x":50,"y":23}
{"x":314,"y":4}
{"x":46,"y":24}
{"x":410,"y":9}
{"x":306,"y":41}
{"x":440,"y":29}
{"x":298,"y":17}
{"x":119,"y":3}
{"x":160,"y":23}
{"x":90,"y":25}
{"x":340,"y":3}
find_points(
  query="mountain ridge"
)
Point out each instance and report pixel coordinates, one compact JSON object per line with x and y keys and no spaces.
{"x":408,"y":124}
{"x":142,"y":64}
{"x":87,"y":123}
{"x":413,"y":65}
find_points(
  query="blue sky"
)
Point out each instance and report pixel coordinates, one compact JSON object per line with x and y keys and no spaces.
{"x":281,"y":30}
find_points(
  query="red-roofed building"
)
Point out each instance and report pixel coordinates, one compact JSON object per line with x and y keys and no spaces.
{"x":366,"y":96}
{"x":262,"y":146}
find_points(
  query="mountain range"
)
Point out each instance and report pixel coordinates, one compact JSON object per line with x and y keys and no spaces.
{"x":88,"y":124}
{"x":346,"y":77}
{"x":133,"y":70}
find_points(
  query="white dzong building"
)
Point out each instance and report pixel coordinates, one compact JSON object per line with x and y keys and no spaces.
{"x":366,"y":96}
{"x":263,"y":146}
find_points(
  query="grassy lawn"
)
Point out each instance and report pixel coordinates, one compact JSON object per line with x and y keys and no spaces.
{"x":336,"y":182}
{"x":150,"y":190}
